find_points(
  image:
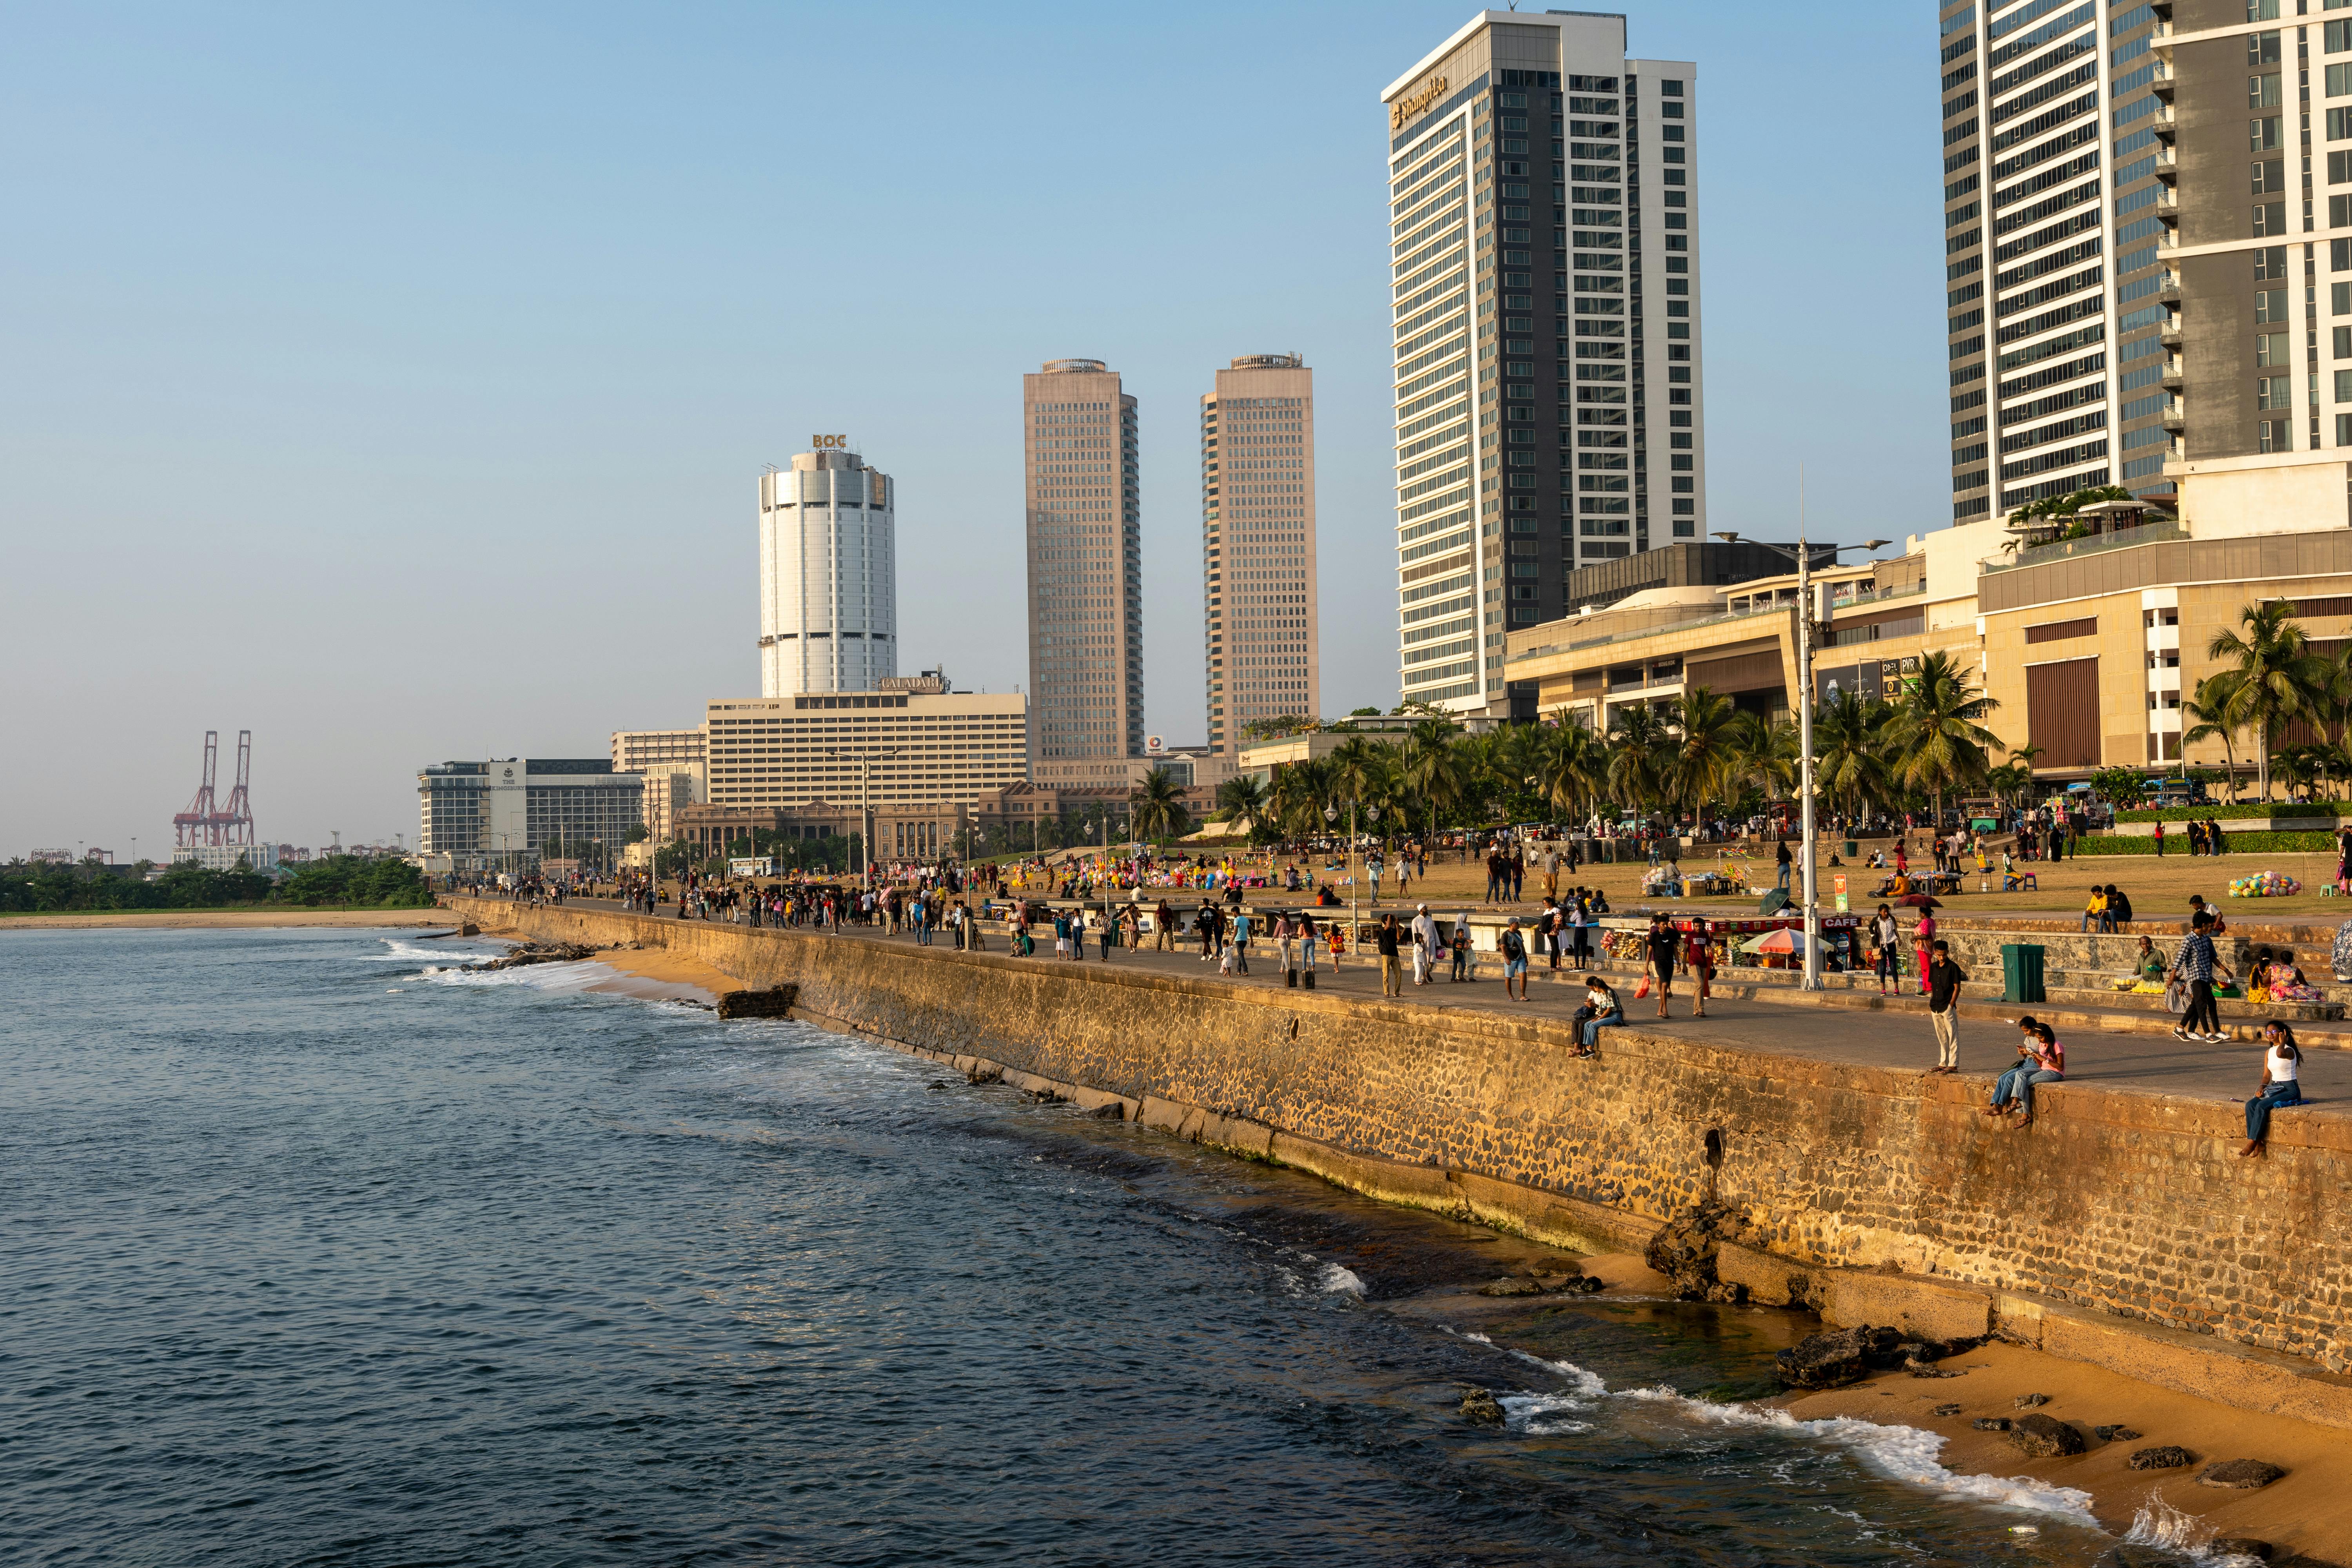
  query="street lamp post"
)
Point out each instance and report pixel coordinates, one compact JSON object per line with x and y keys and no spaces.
{"x":1803,"y":556}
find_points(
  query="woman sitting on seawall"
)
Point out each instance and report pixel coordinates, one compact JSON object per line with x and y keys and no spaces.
{"x":2281,"y":1087}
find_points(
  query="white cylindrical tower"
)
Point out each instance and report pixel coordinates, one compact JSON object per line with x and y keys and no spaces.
{"x":828,"y":576}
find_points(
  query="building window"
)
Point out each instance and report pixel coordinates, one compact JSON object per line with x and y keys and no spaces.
{"x":2274,"y":436}
{"x":2274,"y":392}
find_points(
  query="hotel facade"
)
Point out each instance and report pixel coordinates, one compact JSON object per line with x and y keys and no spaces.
{"x":1257,"y":546}
{"x":1548,"y":387}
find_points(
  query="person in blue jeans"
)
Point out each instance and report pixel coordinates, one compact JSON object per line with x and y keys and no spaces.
{"x":2280,"y":1087}
{"x":1783,"y":859}
{"x":2043,"y":1061}
{"x":1601,"y":1010}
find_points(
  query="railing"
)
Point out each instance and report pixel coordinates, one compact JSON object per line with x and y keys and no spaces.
{"x":2097,"y":544}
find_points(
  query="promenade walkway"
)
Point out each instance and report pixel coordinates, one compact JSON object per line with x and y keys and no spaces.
{"x":1892,"y":1038}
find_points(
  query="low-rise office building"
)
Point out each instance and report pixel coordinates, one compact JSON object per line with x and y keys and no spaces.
{"x":506,"y":809}
{"x":2079,"y":643}
{"x":915,"y":741}
{"x":672,"y":762}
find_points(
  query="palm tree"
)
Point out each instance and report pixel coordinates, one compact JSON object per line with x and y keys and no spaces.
{"x":1568,"y":765}
{"x":1437,"y":769}
{"x":2207,"y":713}
{"x":1937,"y":730}
{"x":1354,"y":762}
{"x":1159,"y":806}
{"x":1702,"y":758}
{"x":2278,"y":678}
{"x":1637,"y":736}
{"x":1765,"y":754}
{"x":1243,"y":798}
{"x":2010,"y":779}
{"x":1849,"y":761}
{"x":1300,"y":791}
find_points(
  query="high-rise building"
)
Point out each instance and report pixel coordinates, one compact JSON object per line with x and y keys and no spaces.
{"x":829,"y":565}
{"x":1086,"y":571}
{"x":2059,"y":167}
{"x":1258,"y":544}
{"x":918,"y":741}
{"x":1544,"y":279}
{"x":507,"y":808}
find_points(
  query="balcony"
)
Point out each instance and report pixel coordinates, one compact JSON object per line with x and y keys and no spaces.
{"x":2168,"y":165}
{"x":2165,"y":124}
{"x":2169,"y":333}
{"x":2175,"y":419}
{"x":2168,"y":204}
{"x":2173,"y":376}
{"x":2169,"y":294}
{"x":2162,"y":84}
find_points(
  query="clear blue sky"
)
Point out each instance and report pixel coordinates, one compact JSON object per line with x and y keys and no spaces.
{"x":394,"y":384}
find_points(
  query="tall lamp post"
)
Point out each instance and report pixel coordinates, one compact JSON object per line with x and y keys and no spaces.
{"x":1803,"y":556}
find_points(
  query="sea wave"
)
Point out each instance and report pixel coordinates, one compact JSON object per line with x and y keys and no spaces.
{"x":1338,"y":1279}
{"x":1907,"y":1454}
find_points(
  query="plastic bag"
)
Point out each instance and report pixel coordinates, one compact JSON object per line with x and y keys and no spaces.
{"x":2176,"y":997}
{"x":1642,"y":989}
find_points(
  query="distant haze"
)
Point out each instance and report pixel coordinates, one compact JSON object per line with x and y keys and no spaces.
{"x":395,"y":385}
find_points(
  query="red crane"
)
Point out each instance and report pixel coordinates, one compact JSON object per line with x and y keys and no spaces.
{"x":206,"y":821}
{"x":190,"y":827}
{"x":235,"y":826}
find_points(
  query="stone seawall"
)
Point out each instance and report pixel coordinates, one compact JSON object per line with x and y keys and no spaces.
{"x":2121,"y":1208}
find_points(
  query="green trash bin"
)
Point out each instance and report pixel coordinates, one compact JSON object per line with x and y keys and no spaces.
{"x":2021,"y":972}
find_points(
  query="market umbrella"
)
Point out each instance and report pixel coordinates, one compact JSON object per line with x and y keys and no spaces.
{"x":1784,"y":940}
{"x":1920,"y":901}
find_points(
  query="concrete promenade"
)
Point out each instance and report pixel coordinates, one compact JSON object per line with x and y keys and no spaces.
{"x":1898,"y":1037}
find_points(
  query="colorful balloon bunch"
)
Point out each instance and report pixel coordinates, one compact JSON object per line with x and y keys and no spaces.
{"x":2265,"y":885}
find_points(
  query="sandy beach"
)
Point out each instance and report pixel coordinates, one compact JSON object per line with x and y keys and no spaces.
{"x":2302,"y":1513}
{"x":93,"y":920}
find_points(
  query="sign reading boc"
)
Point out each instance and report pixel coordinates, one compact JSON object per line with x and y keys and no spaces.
{"x":829,"y":443}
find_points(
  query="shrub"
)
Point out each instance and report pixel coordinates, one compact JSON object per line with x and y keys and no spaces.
{"x":2239,"y":844}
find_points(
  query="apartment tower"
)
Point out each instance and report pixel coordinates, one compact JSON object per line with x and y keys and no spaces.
{"x":1543,"y":259}
{"x":829,"y":574}
{"x":2058,"y":177}
{"x":1258,"y":544}
{"x":1086,"y":573}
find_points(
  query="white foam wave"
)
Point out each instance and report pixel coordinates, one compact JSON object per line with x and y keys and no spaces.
{"x":551,"y":977}
{"x":2157,"y":1524}
{"x":397,"y":951}
{"x":1900,"y":1453}
{"x":1337,"y":1279}
{"x":1544,"y":1415}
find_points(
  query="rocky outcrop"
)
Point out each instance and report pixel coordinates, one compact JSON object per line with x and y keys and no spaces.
{"x":2039,"y":1436}
{"x":1834,"y":1359}
{"x":1684,"y":1249}
{"x":2163,"y":1457}
{"x":1481,"y":1408}
{"x":531,"y":952}
{"x":2239,"y":1475}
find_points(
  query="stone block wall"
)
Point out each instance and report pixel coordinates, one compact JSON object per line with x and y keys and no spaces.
{"x":2129,"y":1203}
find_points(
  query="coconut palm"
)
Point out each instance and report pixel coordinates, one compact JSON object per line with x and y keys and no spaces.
{"x":1767,"y":752}
{"x":2279,"y":678}
{"x":1637,"y":738}
{"x":1849,"y":758}
{"x":1570,"y":767}
{"x":2207,"y":717}
{"x":1436,"y":768}
{"x":1300,"y":791}
{"x":1158,"y":805}
{"x":1702,"y":755}
{"x":1242,"y":797}
{"x":1936,"y":731}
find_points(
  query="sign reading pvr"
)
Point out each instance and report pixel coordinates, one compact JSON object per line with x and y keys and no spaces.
{"x":829,"y":443}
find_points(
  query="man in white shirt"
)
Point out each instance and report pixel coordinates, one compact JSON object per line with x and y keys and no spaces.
{"x":1425,"y":938}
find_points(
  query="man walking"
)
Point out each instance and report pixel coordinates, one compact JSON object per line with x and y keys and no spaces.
{"x":1425,"y":935}
{"x":1514,"y":960}
{"x":1392,"y":970}
{"x":1944,"y":981}
{"x":2195,"y":962}
{"x":1661,"y":945}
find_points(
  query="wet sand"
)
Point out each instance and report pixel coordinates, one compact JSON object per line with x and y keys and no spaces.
{"x":2305,"y":1512}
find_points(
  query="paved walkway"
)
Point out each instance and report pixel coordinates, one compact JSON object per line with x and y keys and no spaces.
{"x":2136,"y":1062}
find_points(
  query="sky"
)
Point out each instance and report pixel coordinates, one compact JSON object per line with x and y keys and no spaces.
{"x":395,"y":381}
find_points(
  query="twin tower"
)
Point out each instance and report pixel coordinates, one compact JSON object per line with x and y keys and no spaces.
{"x":828,"y":563}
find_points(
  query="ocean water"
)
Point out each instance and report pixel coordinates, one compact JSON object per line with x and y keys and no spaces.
{"x":310,"y":1254}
